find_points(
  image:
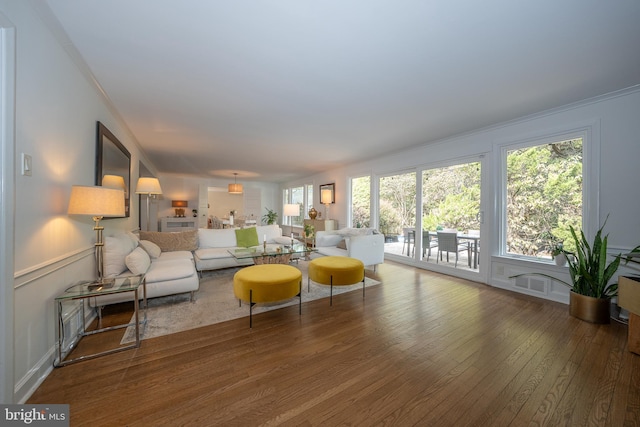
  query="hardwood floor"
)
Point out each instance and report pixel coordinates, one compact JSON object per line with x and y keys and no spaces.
{"x":421,"y":349}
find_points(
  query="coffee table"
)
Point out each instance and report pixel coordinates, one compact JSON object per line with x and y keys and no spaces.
{"x":273,"y":254}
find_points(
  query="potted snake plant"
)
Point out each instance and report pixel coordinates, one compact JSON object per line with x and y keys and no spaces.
{"x":591,"y":292}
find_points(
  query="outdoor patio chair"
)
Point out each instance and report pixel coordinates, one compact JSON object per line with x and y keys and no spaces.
{"x":448,"y":242}
{"x":409,"y":239}
{"x":428,"y":242}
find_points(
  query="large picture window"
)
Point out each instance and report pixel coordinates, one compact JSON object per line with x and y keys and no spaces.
{"x":544,"y":196}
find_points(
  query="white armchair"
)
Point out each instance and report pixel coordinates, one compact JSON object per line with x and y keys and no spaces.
{"x":367,"y":248}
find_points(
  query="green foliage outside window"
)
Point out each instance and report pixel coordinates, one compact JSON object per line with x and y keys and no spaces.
{"x":361,"y":202}
{"x":451,"y":197}
{"x":544,"y":197}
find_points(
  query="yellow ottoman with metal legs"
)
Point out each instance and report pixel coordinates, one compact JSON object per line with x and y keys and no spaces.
{"x":267,"y":283}
{"x":336,"y":271}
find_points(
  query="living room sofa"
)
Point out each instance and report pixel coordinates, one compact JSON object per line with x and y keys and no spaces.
{"x":365,"y":244}
{"x":168,"y":266}
{"x":214,"y":245}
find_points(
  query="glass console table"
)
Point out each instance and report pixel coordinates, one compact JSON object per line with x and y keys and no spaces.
{"x":84,"y":291}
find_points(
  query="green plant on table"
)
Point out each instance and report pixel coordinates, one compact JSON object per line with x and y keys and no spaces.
{"x":270,"y":217}
{"x":309,"y":230}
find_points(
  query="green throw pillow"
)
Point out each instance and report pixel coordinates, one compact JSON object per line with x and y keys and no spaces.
{"x":247,"y":237}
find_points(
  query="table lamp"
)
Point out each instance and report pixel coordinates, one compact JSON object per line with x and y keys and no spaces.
{"x":326,"y":199}
{"x":291,"y":210}
{"x":179,"y":205}
{"x":97,"y":202}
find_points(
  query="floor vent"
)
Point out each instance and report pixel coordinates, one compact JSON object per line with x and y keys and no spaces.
{"x":532,"y":283}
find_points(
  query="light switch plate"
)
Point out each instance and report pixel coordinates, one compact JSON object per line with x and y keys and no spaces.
{"x":26,"y":164}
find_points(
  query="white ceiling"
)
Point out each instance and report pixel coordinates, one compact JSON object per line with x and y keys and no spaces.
{"x":286,"y":88}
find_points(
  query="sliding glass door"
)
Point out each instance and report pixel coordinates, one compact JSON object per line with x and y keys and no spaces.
{"x":397,"y":212}
{"x":445,"y":230}
{"x":451,"y":216}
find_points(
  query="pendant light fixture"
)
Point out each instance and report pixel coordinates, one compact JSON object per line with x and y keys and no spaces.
{"x":235,"y":188}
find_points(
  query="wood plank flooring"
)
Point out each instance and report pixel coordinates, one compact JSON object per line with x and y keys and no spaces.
{"x":421,"y":349}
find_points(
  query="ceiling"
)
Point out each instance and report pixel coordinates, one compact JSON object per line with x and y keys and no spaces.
{"x":275,"y":90}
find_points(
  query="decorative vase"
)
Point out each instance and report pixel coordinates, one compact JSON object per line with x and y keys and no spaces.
{"x":313,"y":213}
{"x":590,"y":309}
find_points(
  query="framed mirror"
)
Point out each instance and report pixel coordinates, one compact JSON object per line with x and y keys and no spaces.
{"x":328,"y":193}
{"x":113,"y":164}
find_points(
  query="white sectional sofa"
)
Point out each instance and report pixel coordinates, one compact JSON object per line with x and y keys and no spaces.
{"x":173,"y":261}
{"x":214,"y":245}
{"x":167,"y":272}
{"x":365,"y":244}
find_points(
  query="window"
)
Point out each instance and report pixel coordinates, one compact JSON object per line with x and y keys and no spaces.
{"x":309,"y":204}
{"x":397,"y":207}
{"x":297,"y":197}
{"x":451,"y":200}
{"x":302,"y":196}
{"x":544,"y":195}
{"x":361,"y":202}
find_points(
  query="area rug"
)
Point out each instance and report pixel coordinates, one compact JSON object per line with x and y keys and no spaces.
{"x":215,"y":303}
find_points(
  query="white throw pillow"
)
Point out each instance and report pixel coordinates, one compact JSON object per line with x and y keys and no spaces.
{"x":152,"y":249}
{"x":116,"y":248}
{"x":348,"y":232}
{"x":138,"y":261}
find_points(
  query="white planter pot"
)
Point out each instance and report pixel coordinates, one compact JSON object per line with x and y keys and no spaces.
{"x":561,"y":260}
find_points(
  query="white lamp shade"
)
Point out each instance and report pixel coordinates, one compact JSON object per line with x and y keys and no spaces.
{"x":325,"y":197}
{"x":113,"y":181}
{"x":96,"y":201}
{"x":148,"y":185}
{"x":291,"y":210}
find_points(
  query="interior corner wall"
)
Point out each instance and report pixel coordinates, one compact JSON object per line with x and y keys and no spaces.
{"x":56,"y":110}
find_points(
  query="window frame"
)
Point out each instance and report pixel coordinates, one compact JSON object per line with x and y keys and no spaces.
{"x":590,"y":134}
{"x":350,"y":189}
{"x":287,"y":194}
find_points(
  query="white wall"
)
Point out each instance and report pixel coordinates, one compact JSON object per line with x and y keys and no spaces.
{"x":56,"y":111}
{"x":615,"y":119}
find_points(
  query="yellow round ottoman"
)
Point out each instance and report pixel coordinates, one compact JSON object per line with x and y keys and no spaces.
{"x":267,"y":283}
{"x":336,"y":271}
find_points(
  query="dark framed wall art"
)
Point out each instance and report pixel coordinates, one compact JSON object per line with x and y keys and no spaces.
{"x":113,"y":164}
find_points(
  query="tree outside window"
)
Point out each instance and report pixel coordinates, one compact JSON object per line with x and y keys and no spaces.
{"x":361,"y":202}
{"x":397,"y":200}
{"x":451,"y":197}
{"x":544,"y":197}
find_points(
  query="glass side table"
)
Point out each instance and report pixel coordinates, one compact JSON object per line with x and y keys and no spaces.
{"x":86,"y":290}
